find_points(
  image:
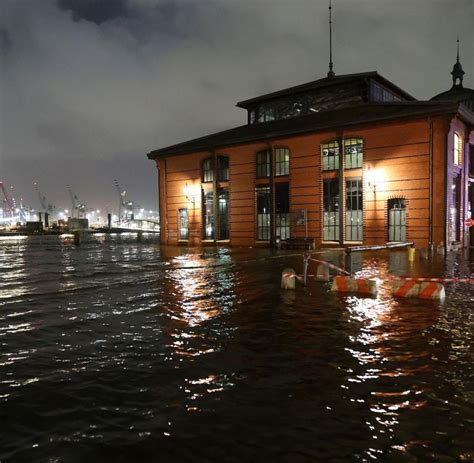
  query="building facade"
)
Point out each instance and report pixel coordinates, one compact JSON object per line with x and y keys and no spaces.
{"x":350,"y":159}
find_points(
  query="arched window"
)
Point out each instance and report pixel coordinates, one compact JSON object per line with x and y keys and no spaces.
{"x":353,"y":154}
{"x":330,"y":152}
{"x":263,"y":164}
{"x":397,"y":219}
{"x":223,"y":168}
{"x":282,"y":162}
{"x":208,"y":170}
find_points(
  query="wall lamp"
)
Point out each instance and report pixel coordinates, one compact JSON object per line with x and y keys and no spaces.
{"x":371,"y":179}
{"x":190,"y":191}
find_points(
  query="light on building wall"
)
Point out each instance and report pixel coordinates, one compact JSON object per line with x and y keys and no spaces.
{"x":191,"y":192}
{"x":372,"y":177}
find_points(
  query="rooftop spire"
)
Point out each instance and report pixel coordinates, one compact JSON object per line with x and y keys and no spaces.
{"x":331,"y":72}
{"x":457,"y":71}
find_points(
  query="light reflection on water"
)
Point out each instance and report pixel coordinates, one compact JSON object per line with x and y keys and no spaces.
{"x":142,"y":352}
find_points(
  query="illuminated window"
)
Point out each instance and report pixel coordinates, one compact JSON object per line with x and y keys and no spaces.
{"x":183,"y":224}
{"x":457,"y":149}
{"x":353,"y":152}
{"x":282,"y":161}
{"x":331,"y":210}
{"x":330,"y":155}
{"x":397,"y":219}
{"x":264,"y":207}
{"x":208,"y":170}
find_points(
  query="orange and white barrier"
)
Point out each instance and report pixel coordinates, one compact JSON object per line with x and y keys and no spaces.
{"x":288,"y":278}
{"x":413,"y":287}
{"x":346,"y":284}
{"x":437,"y":280}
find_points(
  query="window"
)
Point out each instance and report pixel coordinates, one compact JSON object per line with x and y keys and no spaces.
{"x":263,"y":213}
{"x":353,"y":152}
{"x":331,"y":156}
{"x":354,"y":218}
{"x":223,"y":168}
{"x":282,"y":161}
{"x":282,"y":210}
{"x":208,"y":170}
{"x":397,"y":224}
{"x":223,"y":194}
{"x":263,"y":164}
{"x":331,"y":210}
{"x":183,"y":224}
{"x":208,"y":213}
{"x":457,"y":149}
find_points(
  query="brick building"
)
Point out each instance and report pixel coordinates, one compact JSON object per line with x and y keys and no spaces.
{"x":341,"y":160}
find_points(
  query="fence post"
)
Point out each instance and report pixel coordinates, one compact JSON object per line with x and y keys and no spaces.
{"x":306,"y":257}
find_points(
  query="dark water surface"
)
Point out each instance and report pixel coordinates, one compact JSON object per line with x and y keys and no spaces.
{"x":122,"y":352}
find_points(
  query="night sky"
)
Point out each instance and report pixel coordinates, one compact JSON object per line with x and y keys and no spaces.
{"x":88,"y":87}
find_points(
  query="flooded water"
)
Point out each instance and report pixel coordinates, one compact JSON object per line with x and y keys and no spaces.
{"x":127,"y":352}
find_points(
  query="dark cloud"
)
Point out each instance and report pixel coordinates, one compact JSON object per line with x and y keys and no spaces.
{"x":97,"y":11}
{"x":89,"y":87}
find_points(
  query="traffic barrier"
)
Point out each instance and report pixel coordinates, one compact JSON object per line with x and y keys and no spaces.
{"x":437,"y":280}
{"x":322,"y":273}
{"x":403,"y":287}
{"x":288,"y":279}
{"x":328,"y":264}
{"x":346,"y":284}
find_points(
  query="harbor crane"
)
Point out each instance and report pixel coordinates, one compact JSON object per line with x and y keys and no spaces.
{"x":9,"y":206}
{"x":122,"y":194}
{"x":126,"y":208}
{"x":76,"y":205}
{"x":46,"y":207}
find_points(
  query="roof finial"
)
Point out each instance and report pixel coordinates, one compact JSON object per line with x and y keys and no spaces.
{"x":331,"y":72}
{"x":457,"y":71}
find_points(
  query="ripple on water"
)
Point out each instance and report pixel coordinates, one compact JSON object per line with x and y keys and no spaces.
{"x":129,"y":352}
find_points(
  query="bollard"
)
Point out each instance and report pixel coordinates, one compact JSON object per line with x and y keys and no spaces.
{"x":322,"y":273}
{"x":109,"y":221}
{"x":424,"y":253}
{"x":411,"y":254}
{"x":419,"y":290}
{"x":288,"y":279}
{"x":344,"y":284}
{"x":77,"y":238}
{"x":440,"y":249}
{"x":139,"y":236}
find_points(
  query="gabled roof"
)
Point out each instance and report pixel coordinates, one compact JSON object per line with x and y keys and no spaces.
{"x":324,"y":120}
{"x":327,"y":82}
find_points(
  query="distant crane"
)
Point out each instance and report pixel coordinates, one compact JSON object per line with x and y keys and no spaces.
{"x":9,"y":206}
{"x":126,"y":208}
{"x":76,"y":205}
{"x":122,"y":194}
{"x":46,"y":207}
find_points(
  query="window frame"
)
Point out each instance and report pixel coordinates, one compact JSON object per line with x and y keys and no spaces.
{"x":221,"y":169}
{"x":281,"y":168}
{"x":207,"y":173}
{"x":260,"y":166}
{"x":457,"y":149}
{"x":325,"y":164}
{"x":358,"y":142}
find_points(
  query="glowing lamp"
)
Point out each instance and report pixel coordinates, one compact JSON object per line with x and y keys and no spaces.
{"x":372,"y":178}
{"x":190,"y":191}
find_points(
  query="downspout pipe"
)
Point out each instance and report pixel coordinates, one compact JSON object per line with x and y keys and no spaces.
{"x":446,"y":193}
{"x":430,"y":231}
